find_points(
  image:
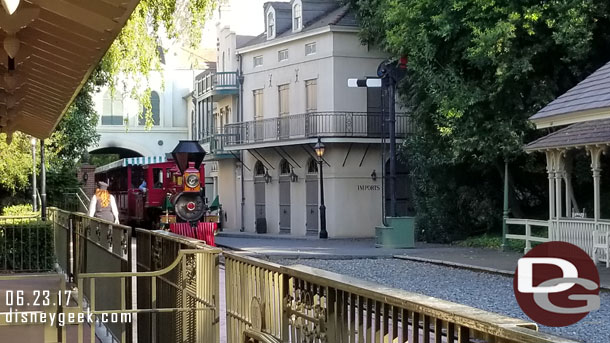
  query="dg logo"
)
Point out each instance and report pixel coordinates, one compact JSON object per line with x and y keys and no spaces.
{"x":557,"y":284}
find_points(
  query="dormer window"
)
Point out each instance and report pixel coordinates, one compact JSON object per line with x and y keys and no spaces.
{"x":297,"y":17}
{"x":271,"y":24}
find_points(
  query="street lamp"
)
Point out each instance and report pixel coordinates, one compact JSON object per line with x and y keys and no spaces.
{"x":34,"y":205}
{"x":319,"y":148}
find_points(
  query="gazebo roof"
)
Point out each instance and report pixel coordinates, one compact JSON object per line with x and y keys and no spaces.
{"x":595,"y":132}
{"x":588,"y":100}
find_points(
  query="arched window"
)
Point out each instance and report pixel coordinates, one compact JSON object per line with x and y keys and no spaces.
{"x":155,"y":104}
{"x":270,"y":24}
{"x":284,"y":167}
{"x":297,"y":17}
{"x":259,"y":169}
{"x":112,"y":109}
{"x":312,"y":166}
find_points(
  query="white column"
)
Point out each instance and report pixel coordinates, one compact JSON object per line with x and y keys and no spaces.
{"x":559,"y":170}
{"x":596,"y":169}
{"x":551,"y":171}
{"x":567,"y":178}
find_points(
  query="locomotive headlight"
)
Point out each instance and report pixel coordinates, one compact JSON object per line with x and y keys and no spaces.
{"x":192,"y":180}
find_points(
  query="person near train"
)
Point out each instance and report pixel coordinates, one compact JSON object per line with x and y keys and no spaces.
{"x":103,"y":205}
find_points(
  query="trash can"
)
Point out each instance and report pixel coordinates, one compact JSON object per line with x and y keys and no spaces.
{"x":261,"y":225}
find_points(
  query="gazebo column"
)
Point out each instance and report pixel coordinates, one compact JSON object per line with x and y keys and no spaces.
{"x":567,"y":178}
{"x":550,"y":169}
{"x":558,"y":176}
{"x":596,"y":153}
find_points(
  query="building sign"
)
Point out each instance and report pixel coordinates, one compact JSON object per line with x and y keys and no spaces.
{"x":369,"y":187}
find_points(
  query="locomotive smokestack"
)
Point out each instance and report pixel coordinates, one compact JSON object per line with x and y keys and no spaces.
{"x":188,"y":151}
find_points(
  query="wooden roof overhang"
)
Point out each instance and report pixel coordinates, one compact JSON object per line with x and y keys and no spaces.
{"x":60,"y":42}
{"x":575,"y":136}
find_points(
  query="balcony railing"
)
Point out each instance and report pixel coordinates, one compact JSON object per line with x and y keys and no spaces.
{"x":214,"y":142}
{"x":308,"y":125}
{"x":217,"y":82}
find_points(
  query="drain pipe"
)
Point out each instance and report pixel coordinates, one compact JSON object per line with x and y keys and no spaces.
{"x":240,"y":118}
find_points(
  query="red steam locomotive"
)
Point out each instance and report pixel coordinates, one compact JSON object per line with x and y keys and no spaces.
{"x":162,"y":193}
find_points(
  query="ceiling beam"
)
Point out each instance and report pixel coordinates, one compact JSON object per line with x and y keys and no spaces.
{"x":68,"y":9}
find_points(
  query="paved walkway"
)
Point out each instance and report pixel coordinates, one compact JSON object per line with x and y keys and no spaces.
{"x":282,"y":246}
{"x":303,"y":247}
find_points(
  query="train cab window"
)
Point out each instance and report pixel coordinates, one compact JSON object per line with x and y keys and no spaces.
{"x":157,"y":178}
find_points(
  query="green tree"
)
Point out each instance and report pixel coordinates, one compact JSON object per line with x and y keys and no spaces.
{"x":15,"y":163}
{"x":135,"y":52}
{"x":477,"y":71}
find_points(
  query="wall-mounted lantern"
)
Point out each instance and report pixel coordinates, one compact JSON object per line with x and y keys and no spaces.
{"x":267,"y":177}
{"x":374,"y":175}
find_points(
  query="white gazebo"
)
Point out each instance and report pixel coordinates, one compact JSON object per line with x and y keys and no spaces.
{"x":586,"y":110}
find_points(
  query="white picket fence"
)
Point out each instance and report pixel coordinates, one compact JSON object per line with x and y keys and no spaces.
{"x":577,"y":231}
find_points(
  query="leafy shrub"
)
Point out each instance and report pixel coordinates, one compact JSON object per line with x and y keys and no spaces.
{"x":494,"y":242}
{"x":26,"y":245}
{"x":22,"y":210}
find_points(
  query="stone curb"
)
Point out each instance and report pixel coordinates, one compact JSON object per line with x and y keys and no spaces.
{"x":468,"y":266}
{"x":297,"y":256}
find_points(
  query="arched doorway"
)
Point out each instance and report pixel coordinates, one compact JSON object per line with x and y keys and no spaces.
{"x":311,"y":197}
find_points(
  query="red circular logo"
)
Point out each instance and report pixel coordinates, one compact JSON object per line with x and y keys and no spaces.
{"x":556,"y":284}
{"x":190,"y":206}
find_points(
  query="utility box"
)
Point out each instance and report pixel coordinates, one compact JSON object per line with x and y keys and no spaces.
{"x":398,"y":235}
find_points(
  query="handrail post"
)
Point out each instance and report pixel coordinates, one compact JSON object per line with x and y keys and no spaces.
{"x":528,"y":235}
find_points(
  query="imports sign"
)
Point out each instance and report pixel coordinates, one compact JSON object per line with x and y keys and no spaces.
{"x":369,"y":187}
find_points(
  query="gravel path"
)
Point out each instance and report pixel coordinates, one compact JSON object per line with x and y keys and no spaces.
{"x":489,"y":292}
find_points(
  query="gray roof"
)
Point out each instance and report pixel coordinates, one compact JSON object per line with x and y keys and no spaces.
{"x":591,"y":93}
{"x":575,"y":135}
{"x":326,"y":15}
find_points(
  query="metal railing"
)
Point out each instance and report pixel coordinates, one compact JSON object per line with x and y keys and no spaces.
{"x":178,"y":280}
{"x":178,"y":289}
{"x":26,"y":244}
{"x":308,"y":125}
{"x":304,"y":304}
{"x":216,"y":81}
{"x":214,"y":141}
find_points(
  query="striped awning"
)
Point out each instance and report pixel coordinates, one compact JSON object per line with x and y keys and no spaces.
{"x":131,"y":161}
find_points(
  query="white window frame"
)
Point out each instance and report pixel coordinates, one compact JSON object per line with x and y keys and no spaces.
{"x":255,"y":93}
{"x":271,"y":23}
{"x":116,"y":103}
{"x":308,"y":96}
{"x":286,"y":103}
{"x":297,"y":9}
{"x":281,"y":58}
{"x":257,"y":58}
{"x":311,"y":48}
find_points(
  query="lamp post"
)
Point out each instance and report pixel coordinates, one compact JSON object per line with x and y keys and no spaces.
{"x":34,"y":204}
{"x":319,"y":148}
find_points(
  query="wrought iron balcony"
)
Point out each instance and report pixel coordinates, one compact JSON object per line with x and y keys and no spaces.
{"x":216,"y":83}
{"x":214,"y":143}
{"x":308,"y":125}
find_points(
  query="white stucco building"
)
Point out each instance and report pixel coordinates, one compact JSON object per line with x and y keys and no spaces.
{"x":262,"y":109}
{"x":121,"y":127}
